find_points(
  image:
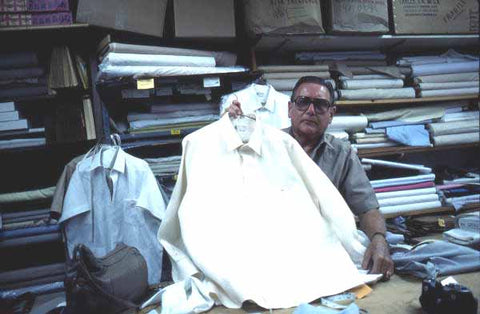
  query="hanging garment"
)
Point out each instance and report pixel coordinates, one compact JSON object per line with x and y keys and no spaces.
{"x":268,"y":105}
{"x":258,"y":220}
{"x":103,"y":208}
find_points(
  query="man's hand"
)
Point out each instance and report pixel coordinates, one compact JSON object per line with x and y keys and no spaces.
{"x":378,"y":257}
{"x":235,"y":109}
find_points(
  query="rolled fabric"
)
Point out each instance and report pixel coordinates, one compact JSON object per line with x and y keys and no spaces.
{"x":368,"y":77}
{"x":402,"y":180}
{"x":460,"y":116}
{"x":445,"y":68}
{"x":294,"y":75}
{"x":293,"y":68}
{"x":450,"y":85}
{"x":452,"y":139}
{"x":31,"y":273}
{"x":364,"y":84}
{"x":371,"y":140}
{"x":163,"y":122}
{"x":348,"y":123}
{"x":405,"y":187}
{"x":42,"y":238}
{"x":445,"y":78}
{"x":399,"y":165}
{"x":376,"y":93}
{"x":39,"y":194}
{"x":405,"y":208}
{"x":131,"y":59}
{"x":289,"y":84}
{"x":36,"y":290}
{"x":410,"y":199}
{"x":33,"y":282}
{"x":375,"y":145}
{"x":405,"y":193}
{"x":444,"y":128}
{"x":449,"y":92}
{"x":27,"y":232}
{"x":8,"y":216}
{"x":339,"y":55}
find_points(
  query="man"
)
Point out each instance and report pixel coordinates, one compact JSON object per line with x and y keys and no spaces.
{"x":311,"y":110}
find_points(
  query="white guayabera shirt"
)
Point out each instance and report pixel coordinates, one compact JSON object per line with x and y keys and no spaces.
{"x":258,"y":221}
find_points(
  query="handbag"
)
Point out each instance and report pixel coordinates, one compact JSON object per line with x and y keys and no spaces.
{"x":110,"y":284}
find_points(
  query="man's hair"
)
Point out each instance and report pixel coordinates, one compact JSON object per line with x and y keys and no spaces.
{"x":314,"y":80}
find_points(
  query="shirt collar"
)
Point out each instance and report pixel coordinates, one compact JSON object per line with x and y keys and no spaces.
{"x":233,"y":141}
{"x":119,"y":164}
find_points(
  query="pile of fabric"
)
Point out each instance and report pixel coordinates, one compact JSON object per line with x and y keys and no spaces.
{"x":456,"y":128}
{"x":403,"y":194}
{"x":284,"y":77}
{"x":449,"y":74}
{"x":466,"y":231}
{"x":120,"y":60}
{"x":462,"y":191}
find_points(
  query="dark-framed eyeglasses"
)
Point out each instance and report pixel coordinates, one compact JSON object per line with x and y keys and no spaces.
{"x":321,"y":105}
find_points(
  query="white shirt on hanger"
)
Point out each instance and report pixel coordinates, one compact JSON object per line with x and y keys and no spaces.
{"x":260,"y":221}
{"x":128,"y":211}
{"x":268,"y":105}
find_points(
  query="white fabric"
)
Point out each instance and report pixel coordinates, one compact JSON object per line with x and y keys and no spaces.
{"x":135,"y":59}
{"x":367,"y":77}
{"x":374,"y":83}
{"x":445,"y":78}
{"x":449,"y":92}
{"x":289,"y":84}
{"x":443,"y":128}
{"x":286,"y":221}
{"x":348,"y":123}
{"x":110,"y":71}
{"x":410,"y":199}
{"x":268,"y":105}
{"x":402,"y":180}
{"x":449,"y":85}
{"x":139,"y":124}
{"x":453,"y":139}
{"x":294,"y":75}
{"x":377,"y":93}
{"x":413,"y":192}
{"x":445,"y":68}
{"x":292,"y":68}
{"x":375,"y":145}
{"x":131,"y":215}
{"x":461,"y":116}
{"x":406,"y":208}
{"x":450,"y":56}
{"x":400,"y":165}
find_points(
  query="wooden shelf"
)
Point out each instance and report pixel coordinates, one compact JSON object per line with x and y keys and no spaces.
{"x":399,"y":43}
{"x":347,"y":103}
{"x":383,"y":151}
{"x":43,"y":27}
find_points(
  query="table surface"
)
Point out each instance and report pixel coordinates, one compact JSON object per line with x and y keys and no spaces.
{"x":399,"y":295}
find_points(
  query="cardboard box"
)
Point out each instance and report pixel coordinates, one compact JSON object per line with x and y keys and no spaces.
{"x":357,"y":16}
{"x":283,"y":17}
{"x":139,"y":16}
{"x":435,"y":16}
{"x":204,"y":18}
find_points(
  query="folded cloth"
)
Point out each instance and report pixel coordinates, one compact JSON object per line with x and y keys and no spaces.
{"x":446,"y":78}
{"x":348,"y":123}
{"x":468,"y":221}
{"x":406,"y":208}
{"x":452,"y":139}
{"x":411,"y":135}
{"x":42,"y":238}
{"x":404,"y":187}
{"x":455,"y":127}
{"x":377,"y":93}
{"x":399,"y":165}
{"x":133,"y":59}
{"x":445,"y":68}
{"x":139,"y":124}
{"x":449,"y":85}
{"x":404,"y":193}
{"x":374,"y":83}
{"x":459,"y":202}
{"x":37,"y":290}
{"x":294,"y":75}
{"x":449,"y":92}
{"x":292,"y":68}
{"x":368,"y":77}
{"x":402,"y":180}
{"x":432,"y":258}
{"x":27,"y":232}
{"x":31,"y":273}
{"x":375,"y":145}
{"x":460,"y":116}
{"x":39,"y":194}
{"x":410,"y":199}
{"x":462,"y":237}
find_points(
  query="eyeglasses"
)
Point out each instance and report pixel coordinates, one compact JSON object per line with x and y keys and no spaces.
{"x":321,"y":105}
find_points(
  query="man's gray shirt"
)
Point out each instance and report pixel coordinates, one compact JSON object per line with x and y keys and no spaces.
{"x":340,"y":163}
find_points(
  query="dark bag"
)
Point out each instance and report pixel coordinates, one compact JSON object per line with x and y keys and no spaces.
{"x":110,"y":284}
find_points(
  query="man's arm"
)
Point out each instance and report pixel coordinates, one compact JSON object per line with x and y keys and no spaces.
{"x":377,"y":255}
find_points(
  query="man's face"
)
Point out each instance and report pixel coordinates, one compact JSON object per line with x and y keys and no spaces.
{"x":310,"y":122}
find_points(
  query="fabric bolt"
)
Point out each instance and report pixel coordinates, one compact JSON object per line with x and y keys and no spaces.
{"x":402,"y":180}
{"x":459,"y":202}
{"x":445,"y":68}
{"x":13,"y":215}
{"x":300,"y":197}
{"x":139,"y":124}
{"x":22,"y":142}
{"x":411,"y":135}
{"x":21,"y":59}
{"x":31,"y":273}
{"x":449,"y":92}
{"x":134,"y":59}
{"x":33,"y":240}
{"x":348,"y":123}
{"x":108,"y":71}
{"x":461,"y":116}
{"x":468,"y":221}
{"x":222,"y":58}
{"x":134,"y":116}
{"x":405,"y":208}
{"x":294,"y":75}
{"x":33,"y":282}
{"x":24,"y":224}
{"x":394,"y":123}
{"x":268,"y":105}
{"x":375,"y":145}
{"x":436,"y":258}
{"x":27,"y":232}
{"x":100,"y":217}
{"x":453,"y":139}
{"x":372,"y":131}
{"x":373,"y":83}
{"x":450,"y":56}
{"x":409,"y":199}
{"x":376,"y":93}
{"x":36,"y":290}
{"x":392,"y":164}
{"x":450,"y":85}
{"x":405,"y":193}
{"x":444,"y":128}
{"x":392,"y":71}
{"x":462,"y":237}
{"x":446,"y":78}
{"x":339,"y":55}
{"x":405,"y":187}
{"x":292,"y":68}
{"x":371,"y":140}
{"x":21,"y":73}
{"x":289,"y":84}
{"x":368,"y":77}
{"x":340,"y":163}
{"x":26,"y":196}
